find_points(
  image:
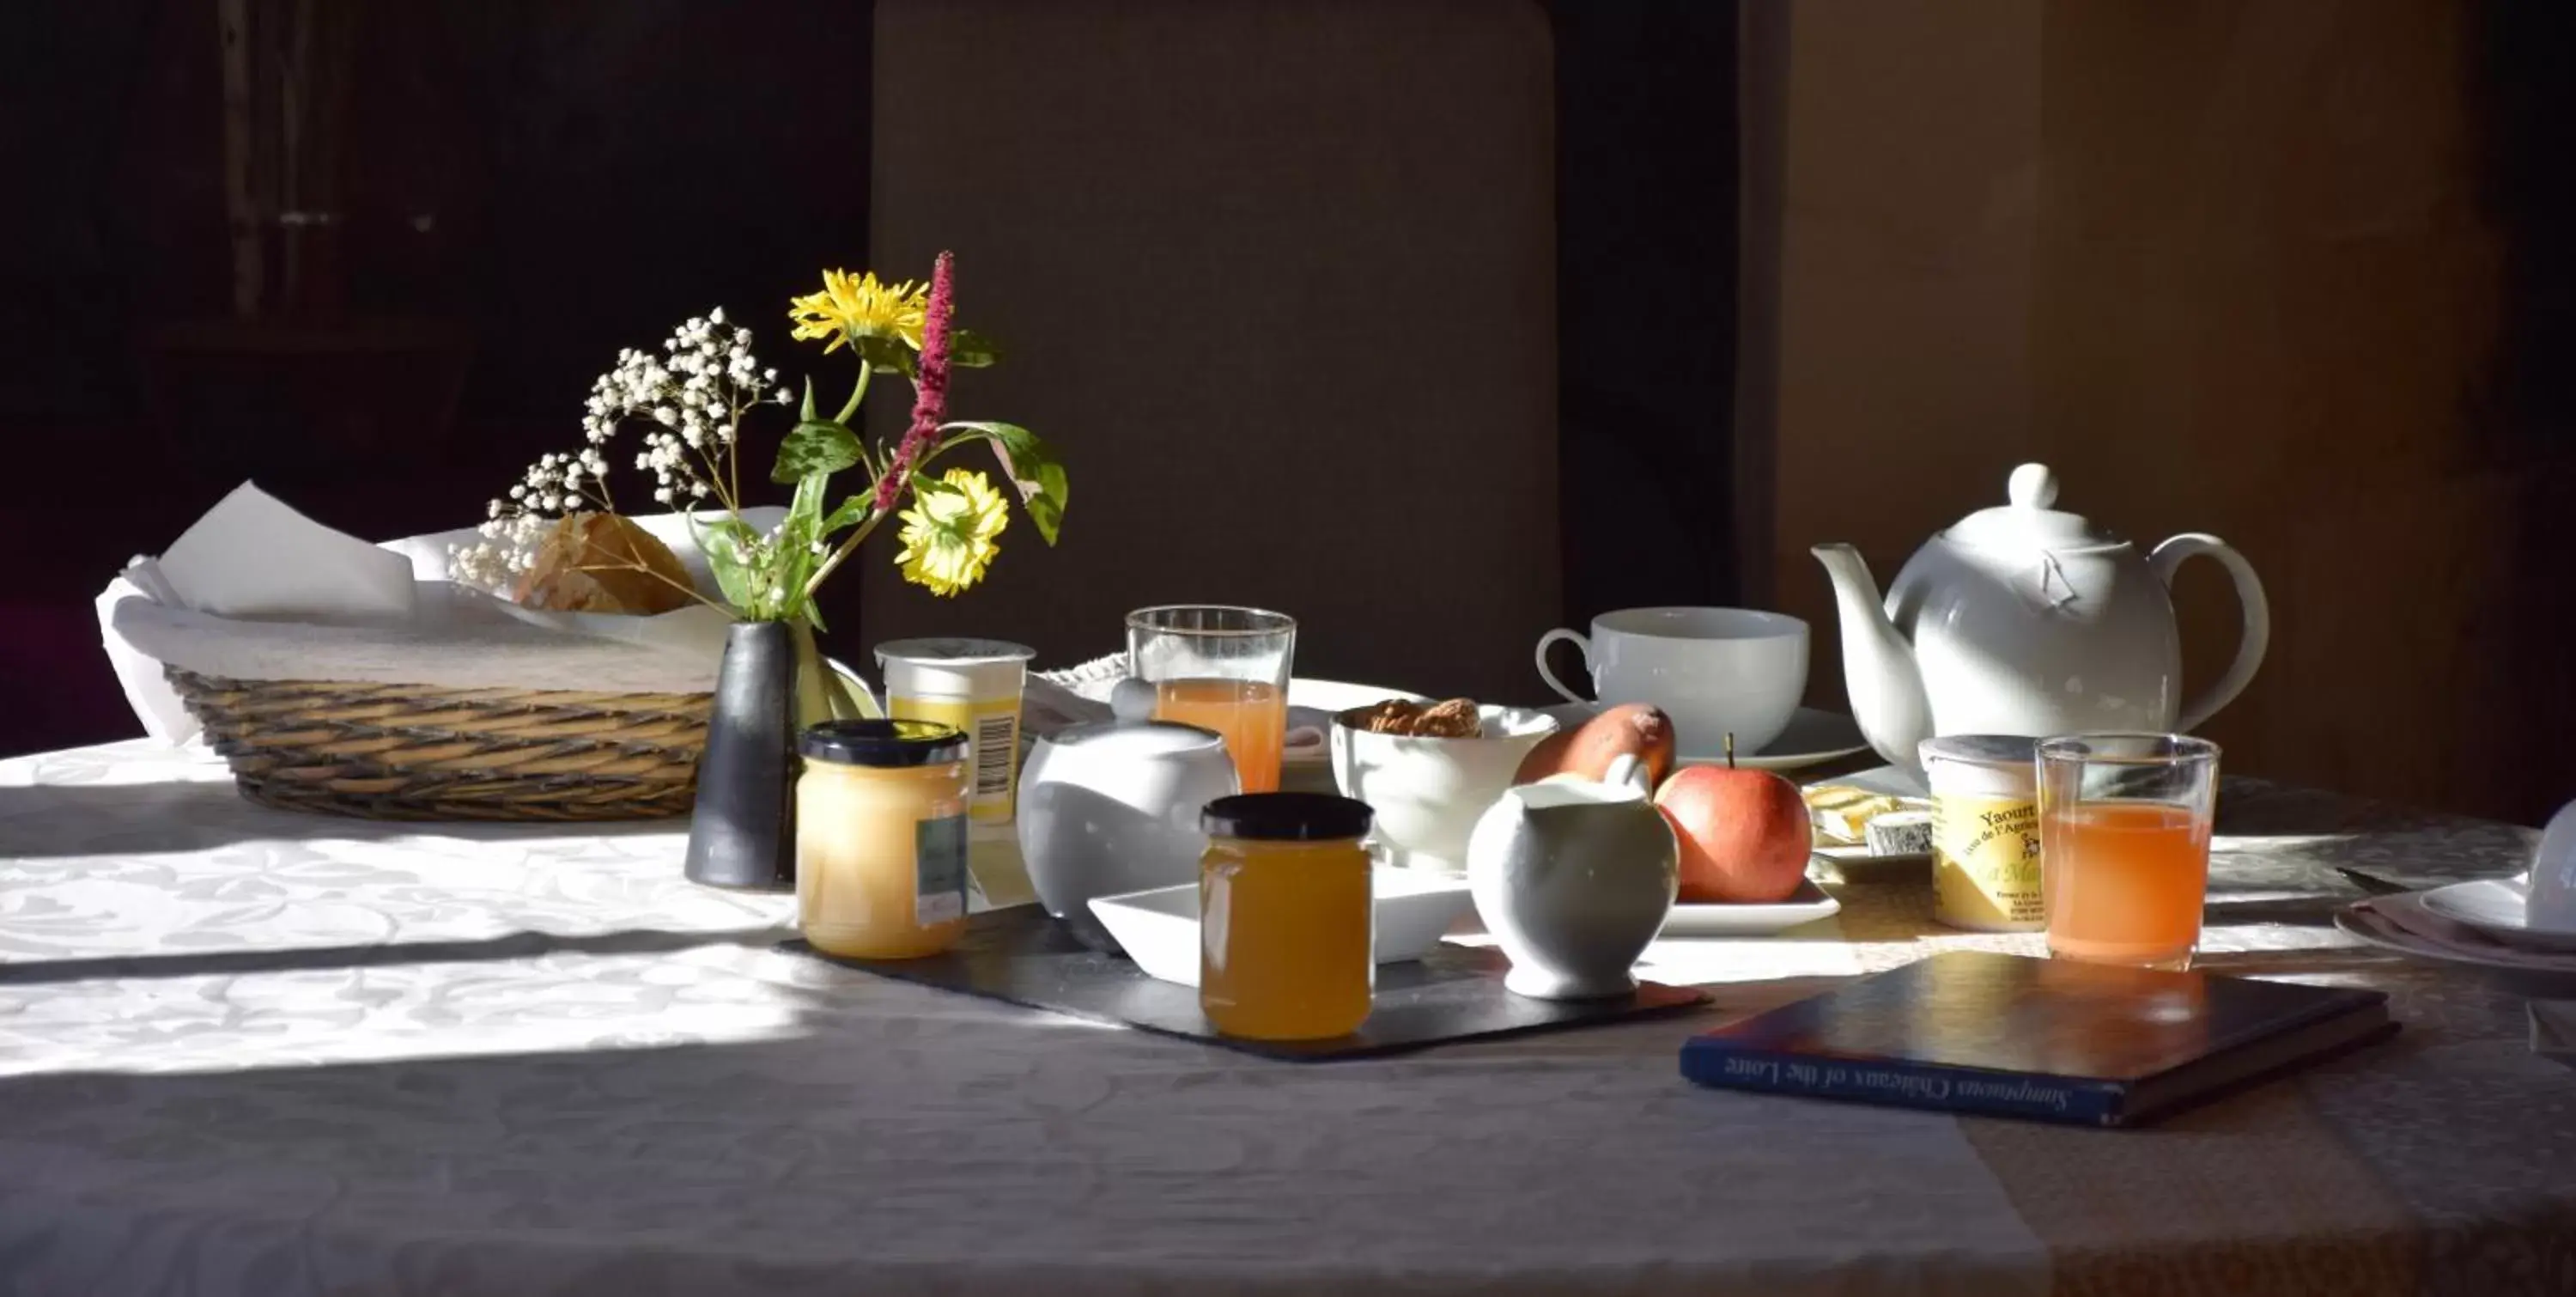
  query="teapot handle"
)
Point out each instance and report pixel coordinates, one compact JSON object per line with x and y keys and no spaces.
{"x":2251,"y":640}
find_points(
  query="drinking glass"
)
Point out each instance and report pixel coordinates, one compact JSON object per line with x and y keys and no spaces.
{"x":2124,"y":824}
{"x":1223,"y":669}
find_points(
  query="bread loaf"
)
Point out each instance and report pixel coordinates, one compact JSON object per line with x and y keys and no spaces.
{"x":602,"y":562}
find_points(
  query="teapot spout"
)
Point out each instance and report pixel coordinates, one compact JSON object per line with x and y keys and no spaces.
{"x":1879,"y":671}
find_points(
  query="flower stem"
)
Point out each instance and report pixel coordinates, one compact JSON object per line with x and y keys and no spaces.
{"x":849,"y":545}
{"x":858,"y":393}
{"x":733,"y":461}
{"x":664,"y":578}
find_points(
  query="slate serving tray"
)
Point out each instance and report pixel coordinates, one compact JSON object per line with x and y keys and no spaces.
{"x":1020,"y":956}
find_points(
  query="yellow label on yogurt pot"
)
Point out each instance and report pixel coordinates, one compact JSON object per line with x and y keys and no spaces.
{"x":993,"y":746}
{"x":1985,"y":863}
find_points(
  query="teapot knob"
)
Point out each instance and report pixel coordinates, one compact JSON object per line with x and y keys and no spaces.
{"x":2031,"y":486}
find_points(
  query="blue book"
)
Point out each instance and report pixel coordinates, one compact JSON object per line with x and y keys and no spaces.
{"x":2044,"y":1039}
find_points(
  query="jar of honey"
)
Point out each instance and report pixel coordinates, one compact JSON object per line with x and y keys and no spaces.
{"x":1287,"y":944}
{"x":881,"y":838}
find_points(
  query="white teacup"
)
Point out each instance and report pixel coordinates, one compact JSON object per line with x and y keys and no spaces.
{"x":2550,"y":894}
{"x":1715,"y":671}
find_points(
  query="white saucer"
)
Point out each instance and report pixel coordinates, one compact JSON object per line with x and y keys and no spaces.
{"x":1808,"y":904}
{"x":1814,"y":736}
{"x":2376,"y":931}
{"x":2494,"y":907}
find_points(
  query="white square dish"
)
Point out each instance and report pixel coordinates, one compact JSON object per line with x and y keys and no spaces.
{"x":1159,"y":929}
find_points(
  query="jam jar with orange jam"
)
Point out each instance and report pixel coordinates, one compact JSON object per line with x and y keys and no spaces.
{"x":1286,"y":933}
{"x":881,"y":838}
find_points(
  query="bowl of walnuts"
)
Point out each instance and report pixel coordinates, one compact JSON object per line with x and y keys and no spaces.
{"x":1429,"y":769}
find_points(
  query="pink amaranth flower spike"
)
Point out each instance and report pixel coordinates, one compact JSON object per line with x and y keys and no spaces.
{"x":930,"y":386}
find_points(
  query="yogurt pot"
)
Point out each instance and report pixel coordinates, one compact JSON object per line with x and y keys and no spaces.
{"x":1985,"y":831}
{"x":974,"y":685}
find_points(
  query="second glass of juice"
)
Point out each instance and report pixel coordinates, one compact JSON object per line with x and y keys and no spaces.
{"x":1224,"y":669}
{"x":2124,"y":828}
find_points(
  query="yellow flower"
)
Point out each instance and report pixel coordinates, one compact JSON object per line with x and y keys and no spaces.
{"x":859,"y":306}
{"x":948,"y":535}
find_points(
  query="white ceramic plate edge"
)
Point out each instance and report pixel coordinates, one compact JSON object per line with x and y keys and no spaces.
{"x":1687,"y":920}
{"x":1766,"y":760}
{"x":2449,"y":902}
{"x":2399,"y":941}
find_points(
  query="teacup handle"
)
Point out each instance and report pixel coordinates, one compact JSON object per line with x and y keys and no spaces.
{"x":1550,"y":638}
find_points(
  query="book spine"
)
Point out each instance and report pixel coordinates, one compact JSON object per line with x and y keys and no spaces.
{"x":1944,"y":1089}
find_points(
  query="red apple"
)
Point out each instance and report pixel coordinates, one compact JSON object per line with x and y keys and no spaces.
{"x":1744,"y":833}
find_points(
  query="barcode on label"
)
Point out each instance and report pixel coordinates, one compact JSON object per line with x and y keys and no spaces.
{"x":994,"y":744}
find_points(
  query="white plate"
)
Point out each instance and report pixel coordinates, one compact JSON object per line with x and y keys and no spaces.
{"x":1322,"y":698}
{"x":1808,"y":904}
{"x":2494,"y":906}
{"x":2388,"y":936}
{"x":1814,"y":737}
{"x":1159,"y":929}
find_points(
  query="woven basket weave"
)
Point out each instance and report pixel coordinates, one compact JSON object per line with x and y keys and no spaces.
{"x":418,"y":752}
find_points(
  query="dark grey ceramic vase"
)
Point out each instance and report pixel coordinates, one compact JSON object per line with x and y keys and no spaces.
{"x":742,"y":833}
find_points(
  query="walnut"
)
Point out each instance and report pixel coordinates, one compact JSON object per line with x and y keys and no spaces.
{"x":1452,"y":719}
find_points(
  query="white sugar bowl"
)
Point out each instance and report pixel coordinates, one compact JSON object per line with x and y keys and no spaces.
{"x":2551,"y":904}
{"x":1112,"y":808}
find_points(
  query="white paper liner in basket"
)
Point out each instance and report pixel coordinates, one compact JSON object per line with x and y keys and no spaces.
{"x":453,"y":636}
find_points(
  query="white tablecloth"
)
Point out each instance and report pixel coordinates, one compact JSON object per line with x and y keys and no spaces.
{"x":243,"y":1051}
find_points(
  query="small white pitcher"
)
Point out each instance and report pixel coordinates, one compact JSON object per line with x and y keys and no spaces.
{"x":1574,"y":879}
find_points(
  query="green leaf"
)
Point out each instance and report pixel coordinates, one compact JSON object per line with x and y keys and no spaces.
{"x":887,"y":353}
{"x":805,"y":413}
{"x":725,"y":542}
{"x":816,"y":446}
{"x":924,"y":484}
{"x":971,"y":350}
{"x":852,"y":512}
{"x":1031,"y":467}
{"x":798,"y":535}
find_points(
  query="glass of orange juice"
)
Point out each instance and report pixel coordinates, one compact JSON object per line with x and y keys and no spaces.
{"x":2124,"y":826}
{"x":1223,"y":669}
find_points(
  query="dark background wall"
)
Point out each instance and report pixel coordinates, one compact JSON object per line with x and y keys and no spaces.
{"x":2296,"y":271}
{"x":2289,"y":271}
{"x":526,"y":189}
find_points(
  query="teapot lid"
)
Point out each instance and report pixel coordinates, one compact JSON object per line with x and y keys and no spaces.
{"x":2029,"y":522}
{"x":1137,"y":740}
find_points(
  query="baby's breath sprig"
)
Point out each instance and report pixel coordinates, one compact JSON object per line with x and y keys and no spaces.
{"x":690,"y":400}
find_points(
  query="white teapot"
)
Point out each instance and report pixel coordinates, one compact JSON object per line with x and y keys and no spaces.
{"x":2027,"y":620}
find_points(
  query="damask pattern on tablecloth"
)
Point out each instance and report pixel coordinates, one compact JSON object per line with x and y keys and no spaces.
{"x":244,"y":1051}
{"x":247,"y":1051}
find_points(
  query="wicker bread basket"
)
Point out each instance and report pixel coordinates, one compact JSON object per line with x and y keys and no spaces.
{"x":421,"y":752}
